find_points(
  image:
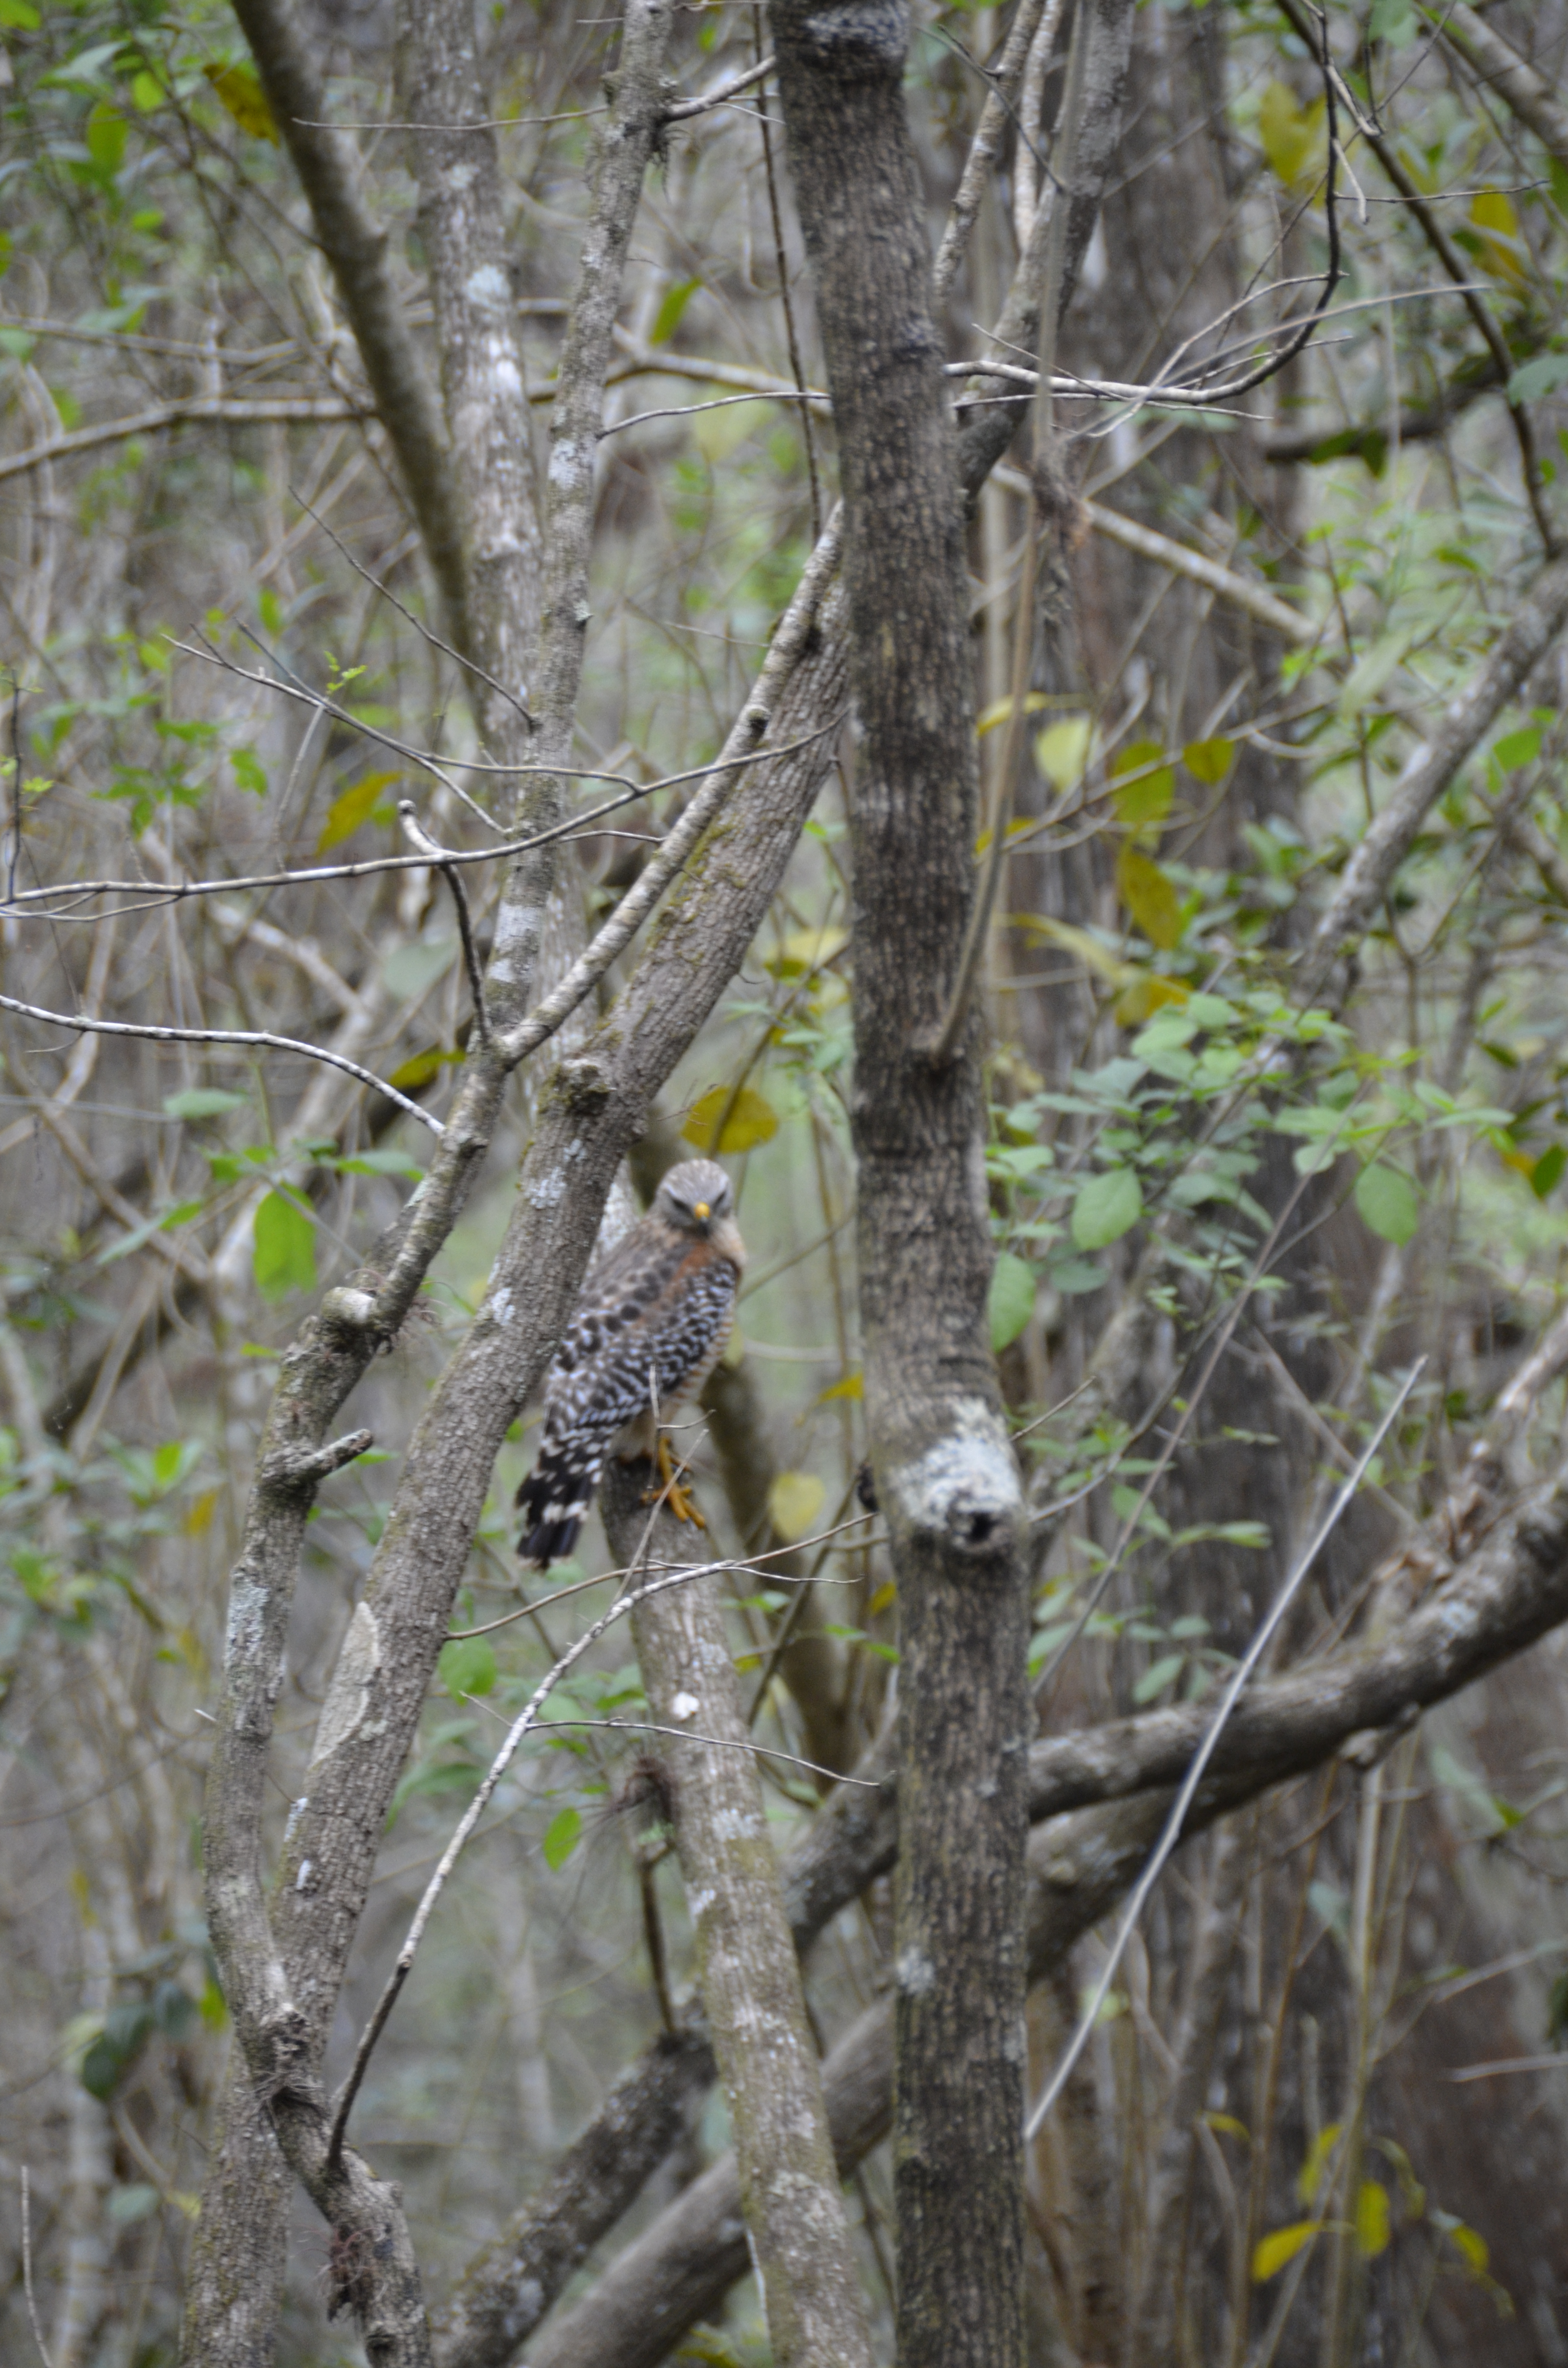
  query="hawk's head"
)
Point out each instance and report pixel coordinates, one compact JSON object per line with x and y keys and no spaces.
{"x":695,"y":1196}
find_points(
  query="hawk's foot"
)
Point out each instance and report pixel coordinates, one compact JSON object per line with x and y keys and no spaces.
{"x":681,"y":1501}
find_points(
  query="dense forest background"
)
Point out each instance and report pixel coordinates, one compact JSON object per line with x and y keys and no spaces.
{"x":1244,"y":1180}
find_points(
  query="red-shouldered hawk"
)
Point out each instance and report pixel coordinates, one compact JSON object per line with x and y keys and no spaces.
{"x":652,"y":1322}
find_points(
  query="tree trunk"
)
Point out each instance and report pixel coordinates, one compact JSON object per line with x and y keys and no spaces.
{"x":943,"y":1467}
{"x":747,"y":1970}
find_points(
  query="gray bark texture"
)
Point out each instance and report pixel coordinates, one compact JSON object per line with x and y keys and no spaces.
{"x":355,"y":247}
{"x":748,"y":1974}
{"x":944,"y":1470}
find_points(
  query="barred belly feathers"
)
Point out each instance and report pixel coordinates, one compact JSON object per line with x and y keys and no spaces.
{"x":652,"y":1322}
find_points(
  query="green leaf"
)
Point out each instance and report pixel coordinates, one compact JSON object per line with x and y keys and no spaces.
{"x":1282,"y":2246}
{"x":1062,"y":751}
{"x":239,"y":91}
{"x":753,"y":1121}
{"x":1371,"y":2219}
{"x":106,"y":137}
{"x":19,"y":16}
{"x":147,"y":93}
{"x":1546,"y":1171}
{"x":1209,"y":761}
{"x":1542,"y":376}
{"x":794,"y":1502}
{"x":1519,"y":748}
{"x":1107,"y":1207}
{"x":1149,"y":897}
{"x":1072,"y":1277}
{"x":1387,"y":1202}
{"x":1143,"y":805}
{"x":1158,"y":1676}
{"x":1293,"y":138}
{"x":201,"y":1102}
{"x":128,"y":2204}
{"x":360,"y":803}
{"x":468,"y":1667}
{"x":667,"y":320}
{"x":561,"y":1838}
{"x":412,"y":969}
{"x":248,"y":770}
{"x":1011,"y":1300}
{"x":283,"y":1258}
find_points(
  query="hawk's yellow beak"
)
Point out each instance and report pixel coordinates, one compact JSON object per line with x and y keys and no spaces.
{"x":702,"y":1210}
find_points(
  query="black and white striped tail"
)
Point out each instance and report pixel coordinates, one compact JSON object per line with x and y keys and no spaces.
{"x":554,"y":1501}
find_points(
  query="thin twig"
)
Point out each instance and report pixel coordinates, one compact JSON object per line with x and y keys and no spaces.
{"x":255,"y":1037}
{"x":27,"y":2266}
{"x":418,"y":838}
{"x":782,"y":263}
{"x":1171,"y":1832}
{"x":527,"y":1719}
{"x":584,"y":825}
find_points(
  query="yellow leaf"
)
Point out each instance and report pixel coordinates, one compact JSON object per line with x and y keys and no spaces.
{"x":1372,"y":2218}
{"x":848,"y":1385}
{"x":239,"y":91}
{"x":357,"y":805}
{"x":998,"y":713}
{"x":1143,"y":789}
{"x":753,"y":1120}
{"x":1502,"y":249}
{"x":1089,"y":949}
{"x":1062,"y":751}
{"x":188,"y":1645}
{"x":1310,"y":2175}
{"x":793,"y":1503}
{"x":1209,"y":761}
{"x":1281,"y":2247}
{"x":1229,"y":2122}
{"x":1144,"y":998}
{"x":885,"y":1595}
{"x":807,"y":950}
{"x":421,"y":1067}
{"x":198,"y":1520}
{"x":1149,"y":897}
{"x":183,"y":2201}
{"x":1294,"y":139}
{"x":1473,"y":2245}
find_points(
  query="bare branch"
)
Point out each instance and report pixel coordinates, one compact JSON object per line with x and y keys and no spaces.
{"x":253,"y":1038}
{"x":240,"y":410}
{"x":355,"y":247}
{"x":1535,"y":624}
{"x":1501,"y":68}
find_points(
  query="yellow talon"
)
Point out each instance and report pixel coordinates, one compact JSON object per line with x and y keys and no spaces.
{"x":682,"y":1504}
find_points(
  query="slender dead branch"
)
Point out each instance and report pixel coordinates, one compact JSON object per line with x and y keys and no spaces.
{"x":252,"y":1038}
{"x":355,"y":250}
{"x":1186,"y":1792}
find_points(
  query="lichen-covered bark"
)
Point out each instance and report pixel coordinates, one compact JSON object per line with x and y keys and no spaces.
{"x":489,"y":427}
{"x":945,"y":1474}
{"x":748,"y":1973}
